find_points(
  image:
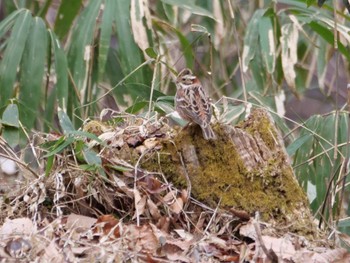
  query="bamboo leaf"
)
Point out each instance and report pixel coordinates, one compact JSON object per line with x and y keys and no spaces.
{"x":11,"y":136}
{"x":32,"y":71}
{"x":10,"y":117}
{"x":190,"y":6}
{"x":43,"y":11}
{"x":65,"y":122}
{"x":289,"y":44}
{"x":136,"y":107}
{"x":328,"y":35}
{"x":8,"y":22}
{"x":293,"y":147}
{"x":60,"y":63}
{"x":82,"y":38}
{"x":87,"y":135}
{"x":186,"y":49}
{"x":80,"y":60}
{"x":322,"y":53}
{"x":137,"y":13}
{"x":186,"y":46}
{"x":169,"y":12}
{"x":49,"y":164}
{"x":344,"y":223}
{"x":13,"y":55}
{"x":251,"y":39}
{"x":105,"y":36}
{"x":267,"y":43}
{"x":91,"y":157}
{"x":129,"y":53}
{"x":10,"y":121}
{"x":66,"y":14}
{"x":59,"y":146}
{"x":151,"y":52}
{"x":164,"y":106}
{"x":311,"y":2}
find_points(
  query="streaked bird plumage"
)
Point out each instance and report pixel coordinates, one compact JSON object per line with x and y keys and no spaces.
{"x":192,"y":102}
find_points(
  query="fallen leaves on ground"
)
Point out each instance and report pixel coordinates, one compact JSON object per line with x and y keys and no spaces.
{"x":82,"y":238}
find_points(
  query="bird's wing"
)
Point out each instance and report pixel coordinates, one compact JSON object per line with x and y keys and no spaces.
{"x":195,"y":104}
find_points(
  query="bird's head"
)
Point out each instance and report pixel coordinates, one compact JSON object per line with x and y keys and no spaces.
{"x":186,"y":78}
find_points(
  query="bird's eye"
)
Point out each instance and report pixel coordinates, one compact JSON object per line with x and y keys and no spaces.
{"x":184,"y":79}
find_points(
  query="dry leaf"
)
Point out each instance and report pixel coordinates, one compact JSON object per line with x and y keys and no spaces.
{"x":184,"y":195}
{"x":105,"y":224}
{"x":134,"y":140}
{"x":153,"y":185}
{"x":51,"y":253}
{"x":330,"y":256}
{"x":170,"y":246}
{"x":184,"y":234}
{"x":19,"y":226}
{"x":151,"y":143}
{"x":83,"y":222}
{"x":122,"y":186}
{"x":248,"y":230}
{"x":140,"y":203}
{"x":153,"y":209}
{"x":283,"y":247}
{"x":163,"y":224}
{"x":220,"y":31}
{"x":137,"y":13}
{"x":170,"y":197}
{"x":140,"y":238}
{"x":177,"y":206}
{"x":141,"y":149}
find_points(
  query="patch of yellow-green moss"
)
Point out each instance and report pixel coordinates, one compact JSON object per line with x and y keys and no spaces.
{"x":220,"y":176}
{"x":259,"y":122}
{"x":167,"y":161}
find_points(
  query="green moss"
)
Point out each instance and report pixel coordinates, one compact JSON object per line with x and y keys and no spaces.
{"x":218,"y":174}
{"x":259,"y":123}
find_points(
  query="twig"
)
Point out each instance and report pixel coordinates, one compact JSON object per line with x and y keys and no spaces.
{"x":135,"y":188}
{"x":152,"y":87}
{"x":268,"y":252}
{"x":212,"y":217}
{"x":189,"y":185}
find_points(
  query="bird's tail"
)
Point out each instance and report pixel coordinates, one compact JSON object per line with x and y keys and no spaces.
{"x":208,"y":133}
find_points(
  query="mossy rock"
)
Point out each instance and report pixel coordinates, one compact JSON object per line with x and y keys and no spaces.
{"x":246,"y":168}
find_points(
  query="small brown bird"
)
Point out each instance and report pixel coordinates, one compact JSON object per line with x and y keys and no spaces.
{"x":192,"y":102}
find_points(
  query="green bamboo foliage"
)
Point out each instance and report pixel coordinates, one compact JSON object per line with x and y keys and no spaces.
{"x":13,"y":54}
{"x":67,"y":12}
{"x":32,"y":71}
{"x":314,"y":159}
{"x":106,"y":34}
{"x":59,"y":93}
{"x":80,"y":56}
{"x":24,"y":64}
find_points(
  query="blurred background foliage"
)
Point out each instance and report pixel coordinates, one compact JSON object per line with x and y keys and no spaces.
{"x":288,"y":56}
